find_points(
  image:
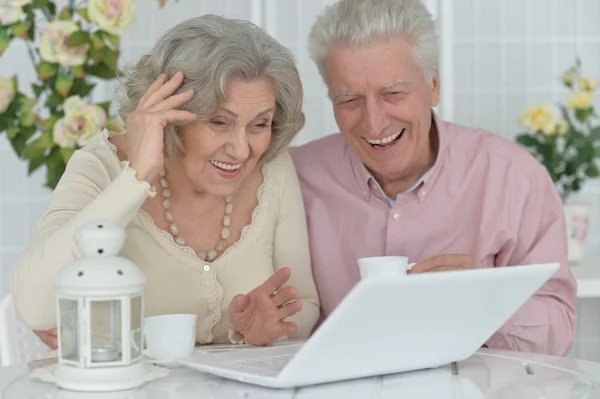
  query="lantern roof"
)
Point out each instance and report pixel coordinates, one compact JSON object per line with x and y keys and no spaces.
{"x":99,"y":271}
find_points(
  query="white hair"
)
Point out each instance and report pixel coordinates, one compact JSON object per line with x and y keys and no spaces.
{"x":359,"y":22}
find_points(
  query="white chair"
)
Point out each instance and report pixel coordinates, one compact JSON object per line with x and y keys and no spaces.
{"x":18,"y":344}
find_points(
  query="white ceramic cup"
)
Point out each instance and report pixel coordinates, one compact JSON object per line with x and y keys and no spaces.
{"x":382,"y":266}
{"x":169,"y":337}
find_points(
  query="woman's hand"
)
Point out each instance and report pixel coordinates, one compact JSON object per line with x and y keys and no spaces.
{"x":48,"y":337}
{"x":146,"y":125}
{"x":259,"y":315}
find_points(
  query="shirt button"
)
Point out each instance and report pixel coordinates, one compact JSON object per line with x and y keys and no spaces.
{"x":396,"y":216}
{"x":206,"y":268}
{"x":423,"y":193}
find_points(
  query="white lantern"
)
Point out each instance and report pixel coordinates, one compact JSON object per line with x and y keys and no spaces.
{"x":100,"y":310}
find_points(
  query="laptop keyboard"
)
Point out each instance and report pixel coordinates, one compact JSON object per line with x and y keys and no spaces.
{"x":268,"y":365}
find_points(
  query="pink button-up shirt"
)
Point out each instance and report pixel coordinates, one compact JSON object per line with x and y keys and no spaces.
{"x":484,"y":196}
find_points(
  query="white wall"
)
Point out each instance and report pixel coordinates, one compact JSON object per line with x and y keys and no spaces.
{"x":498,"y":56}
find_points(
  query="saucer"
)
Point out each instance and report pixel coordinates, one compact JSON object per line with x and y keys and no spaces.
{"x":171,"y":364}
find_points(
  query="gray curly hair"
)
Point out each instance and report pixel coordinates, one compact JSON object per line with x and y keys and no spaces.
{"x":209,"y":50}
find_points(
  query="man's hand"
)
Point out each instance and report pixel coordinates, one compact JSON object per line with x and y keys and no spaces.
{"x":442,"y":263}
{"x":49,"y":337}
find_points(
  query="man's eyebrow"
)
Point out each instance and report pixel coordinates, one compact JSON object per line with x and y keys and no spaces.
{"x":399,"y":82}
{"x":346,"y":94}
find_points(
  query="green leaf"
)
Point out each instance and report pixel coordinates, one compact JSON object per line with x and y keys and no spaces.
{"x":18,"y":144}
{"x":105,"y":106}
{"x":52,"y":9}
{"x":5,"y":121}
{"x":30,"y":23}
{"x":54,"y":100}
{"x":65,"y":15}
{"x":19,"y":29}
{"x":47,"y":70}
{"x":78,"y":39}
{"x":115,"y":125}
{"x":95,"y":55}
{"x":527,"y":140}
{"x":25,"y":112}
{"x":83,"y":13}
{"x":595,"y":134}
{"x":54,"y":174}
{"x":81,"y":88}
{"x":40,"y":3}
{"x":97,"y":40}
{"x":109,"y":58}
{"x":583,"y":114}
{"x":592,"y":171}
{"x":37,"y":89}
{"x":33,"y":151}
{"x":46,"y":140}
{"x":67,"y":153}
{"x":54,"y":158}
{"x":35,"y":164}
{"x":12,"y":131}
{"x":4,"y":39}
{"x":78,"y":71}
{"x":114,"y":40}
{"x":101,"y":71}
{"x":64,"y":83}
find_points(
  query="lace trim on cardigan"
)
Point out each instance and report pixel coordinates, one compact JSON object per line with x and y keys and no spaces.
{"x":187,"y":255}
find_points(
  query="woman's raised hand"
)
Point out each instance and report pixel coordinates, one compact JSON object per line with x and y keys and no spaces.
{"x":146,"y":125}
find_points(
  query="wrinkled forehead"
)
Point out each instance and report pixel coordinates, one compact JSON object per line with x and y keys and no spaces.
{"x":372,"y":66}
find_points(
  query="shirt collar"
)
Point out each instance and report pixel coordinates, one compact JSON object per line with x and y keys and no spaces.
{"x":369,"y":186}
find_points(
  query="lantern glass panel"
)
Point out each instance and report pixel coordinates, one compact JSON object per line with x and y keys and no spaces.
{"x":136,"y":326}
{"x":69,"y":331}
{"x":105,"y":318}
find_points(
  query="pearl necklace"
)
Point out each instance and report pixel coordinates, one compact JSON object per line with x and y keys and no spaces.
{"x":174,"y":230}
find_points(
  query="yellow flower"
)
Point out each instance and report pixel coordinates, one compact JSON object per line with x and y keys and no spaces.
{"x":53,"y":45}
{"x":538,"y":119}
{"x":561,"y":127}
{"x":112,"y":16}
{"x":580,"y":100}
{"x":588,"y":84}
{"x":11,"y":11}
{"x":80,"y":125}
{"x":7,"y":93}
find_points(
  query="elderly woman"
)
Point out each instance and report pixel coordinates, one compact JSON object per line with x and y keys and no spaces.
{"x":204,"y":185}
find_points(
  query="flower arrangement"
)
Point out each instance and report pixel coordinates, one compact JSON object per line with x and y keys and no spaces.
{"x":72,"y":49}
{"x":567,"y":145}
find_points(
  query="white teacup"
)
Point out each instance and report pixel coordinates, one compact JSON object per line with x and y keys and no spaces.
{"x":383,"y":266}
{"x":169,"y":337}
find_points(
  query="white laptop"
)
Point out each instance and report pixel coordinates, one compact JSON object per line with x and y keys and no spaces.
{"x":386,"y":326}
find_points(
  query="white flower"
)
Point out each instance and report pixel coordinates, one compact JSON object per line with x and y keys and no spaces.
{"x":80,"y":125}
{"x":14,"y":3}
{"x":112,"y":16}
{"x":11,"y":11}
{"x":53,"y":45}
{"x":7,"y":93}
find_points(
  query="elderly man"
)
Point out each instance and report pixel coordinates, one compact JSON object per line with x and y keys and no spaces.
{"x":397,"y":180}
